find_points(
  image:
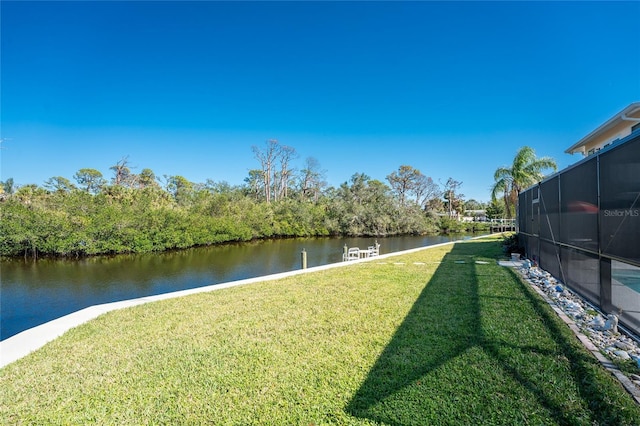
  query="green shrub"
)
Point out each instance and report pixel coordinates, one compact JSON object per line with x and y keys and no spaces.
{"x":511,"y":244}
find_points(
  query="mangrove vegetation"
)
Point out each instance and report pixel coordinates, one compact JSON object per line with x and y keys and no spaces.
{"x":89,"y":214}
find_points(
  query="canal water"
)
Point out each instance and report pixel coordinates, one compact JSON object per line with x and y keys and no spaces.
{"x":35,"y":292}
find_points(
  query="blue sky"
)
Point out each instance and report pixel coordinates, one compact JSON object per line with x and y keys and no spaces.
{"x":187,"y":88}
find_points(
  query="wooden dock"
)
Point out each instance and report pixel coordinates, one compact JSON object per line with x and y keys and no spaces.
{"x":503,"y":225}
{"x":502,"y":228}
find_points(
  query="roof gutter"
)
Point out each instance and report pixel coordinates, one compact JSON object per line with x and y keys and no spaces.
{"x":625,"y":117}
{"x":622,"y":115}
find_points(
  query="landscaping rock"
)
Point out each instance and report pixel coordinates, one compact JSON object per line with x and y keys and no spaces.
{"x":597,"y":323}
{"x":625,"y":346}
{"x":603,"y":333}
{"x":612,"y":323}
{"x":622,"y":354}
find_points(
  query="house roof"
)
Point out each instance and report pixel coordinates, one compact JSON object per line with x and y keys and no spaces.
{"x":609,"y":124}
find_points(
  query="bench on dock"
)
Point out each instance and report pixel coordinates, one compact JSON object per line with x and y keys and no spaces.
{"x":355,"y":253}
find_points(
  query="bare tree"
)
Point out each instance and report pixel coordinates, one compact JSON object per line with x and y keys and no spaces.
{"x":408,"y":181}
{"x":426,"y":190}
{"x":122,"y":173}
{"x":267,"y":158}
{"x":275,"y":181}
{"x":312,"y":179}
{"x":285,"y":155}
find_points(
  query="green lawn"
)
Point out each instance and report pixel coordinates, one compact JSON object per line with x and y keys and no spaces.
{"x":420,"y":339}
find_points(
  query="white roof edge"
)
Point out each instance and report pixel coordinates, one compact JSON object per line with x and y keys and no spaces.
{"x":607,"y":124}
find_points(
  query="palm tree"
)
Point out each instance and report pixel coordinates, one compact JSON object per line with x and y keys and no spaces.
{"x":525,"y":171}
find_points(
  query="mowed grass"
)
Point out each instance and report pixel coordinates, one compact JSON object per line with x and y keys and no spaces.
{"x":430,"y":337}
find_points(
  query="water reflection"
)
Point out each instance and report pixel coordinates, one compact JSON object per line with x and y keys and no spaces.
{"x":36,"y":292}
{"x":625,"y":291}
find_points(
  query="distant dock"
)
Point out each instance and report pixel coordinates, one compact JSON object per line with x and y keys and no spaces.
{"x":503,"y":225}
{"x":502,"y":228}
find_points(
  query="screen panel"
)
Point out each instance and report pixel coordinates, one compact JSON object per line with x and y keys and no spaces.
{"x":522,"y":244}
{"x":527,"y":212}
{"x":550,"y":259}
{"x":620,"y":201}
{"x":550,"y":209}
{"x":532,"y":249}
{"x":625,"y":292}
{"x":582,"y":273}
{"x":534,"y":212}
{"x":579,"y":206}
{"x":522,"y":211}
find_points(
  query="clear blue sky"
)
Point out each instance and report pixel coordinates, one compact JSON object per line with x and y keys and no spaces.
{"x":187,"y":88}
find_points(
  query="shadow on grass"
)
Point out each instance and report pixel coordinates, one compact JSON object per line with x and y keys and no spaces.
{"x":411,"y":382}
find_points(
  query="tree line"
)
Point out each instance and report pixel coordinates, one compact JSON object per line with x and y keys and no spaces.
{"x":141,"y":212}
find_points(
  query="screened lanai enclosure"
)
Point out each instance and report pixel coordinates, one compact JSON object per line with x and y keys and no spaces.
{"x":582,"y":225}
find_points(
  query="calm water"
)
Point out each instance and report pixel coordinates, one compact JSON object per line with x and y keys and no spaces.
{"x":36,"y":292}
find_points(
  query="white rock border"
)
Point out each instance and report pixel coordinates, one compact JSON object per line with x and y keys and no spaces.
{"x":601,"y":337}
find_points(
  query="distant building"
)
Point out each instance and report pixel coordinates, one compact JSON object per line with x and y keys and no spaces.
{"x":475,"y":216}
{"x":616,"y":128}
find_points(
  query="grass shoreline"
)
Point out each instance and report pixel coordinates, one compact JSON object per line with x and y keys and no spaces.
{"x":428,"y":337}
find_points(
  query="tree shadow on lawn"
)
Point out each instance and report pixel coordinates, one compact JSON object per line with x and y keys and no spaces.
{"x":443,"y":365}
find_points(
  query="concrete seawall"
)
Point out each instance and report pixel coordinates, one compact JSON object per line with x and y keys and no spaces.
{"x":21,"y":344}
